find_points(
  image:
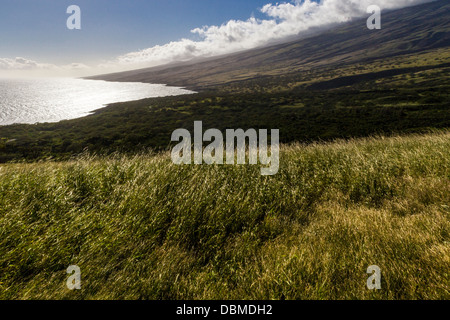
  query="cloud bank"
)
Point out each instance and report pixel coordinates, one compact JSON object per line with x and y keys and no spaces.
{"x":282,"y":20}
{"x":19,"y":65}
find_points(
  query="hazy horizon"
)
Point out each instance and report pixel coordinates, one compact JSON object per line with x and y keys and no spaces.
{"x":112,"y":33}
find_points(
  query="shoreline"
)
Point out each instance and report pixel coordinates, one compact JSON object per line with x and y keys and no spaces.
{"x":92,"y":111}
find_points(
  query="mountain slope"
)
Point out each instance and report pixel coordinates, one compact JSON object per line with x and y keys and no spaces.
{"x":321,"y":88}
{"x":405,"y":31}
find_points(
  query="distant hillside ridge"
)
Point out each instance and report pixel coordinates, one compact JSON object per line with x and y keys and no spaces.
{"x":404,"y":31}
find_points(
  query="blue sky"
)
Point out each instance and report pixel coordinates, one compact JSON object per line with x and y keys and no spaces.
{"x":121,"y":35}
{"x":37,"y":28}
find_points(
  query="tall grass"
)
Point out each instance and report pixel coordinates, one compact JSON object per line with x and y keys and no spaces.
{"x":143,"y":228}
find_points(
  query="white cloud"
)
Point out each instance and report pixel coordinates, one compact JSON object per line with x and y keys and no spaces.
{"x":20,"y":66}
{"x":283,"y":20}
{"x":20,"y":63}
{"x":75,"y":66}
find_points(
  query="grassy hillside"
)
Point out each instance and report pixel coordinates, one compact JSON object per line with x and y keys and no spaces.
{"x":141,"y":227}
{"x":347,"y":82}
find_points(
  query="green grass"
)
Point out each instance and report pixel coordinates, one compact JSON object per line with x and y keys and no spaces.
{"x":140,"y":227}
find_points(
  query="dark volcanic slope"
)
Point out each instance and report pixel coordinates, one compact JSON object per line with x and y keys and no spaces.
{"x":404,"y":31}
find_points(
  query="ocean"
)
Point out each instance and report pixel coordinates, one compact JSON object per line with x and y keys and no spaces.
{"x":55,"y":99}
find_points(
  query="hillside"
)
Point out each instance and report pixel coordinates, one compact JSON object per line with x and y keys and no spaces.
{"x":364,"y":178}
{"x":141,"y":227}
{"x":391,"y":103}
{"x":406,"y":31}
{"x":348,"y":82}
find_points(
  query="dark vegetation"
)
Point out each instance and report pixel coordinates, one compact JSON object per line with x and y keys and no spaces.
{"x":349,"y":82}
{"x":300,"y":114}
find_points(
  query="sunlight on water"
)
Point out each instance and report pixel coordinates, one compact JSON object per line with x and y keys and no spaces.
{"x":53,"y":100}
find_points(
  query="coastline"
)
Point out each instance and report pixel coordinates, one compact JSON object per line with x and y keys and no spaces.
{"x":51,"y":100}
